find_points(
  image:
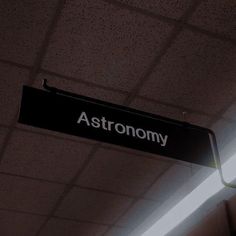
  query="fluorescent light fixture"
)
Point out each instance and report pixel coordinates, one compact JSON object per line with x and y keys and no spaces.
{"x":193,"y":200}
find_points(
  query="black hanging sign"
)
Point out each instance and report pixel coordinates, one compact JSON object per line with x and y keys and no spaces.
{"x":106,"y":122}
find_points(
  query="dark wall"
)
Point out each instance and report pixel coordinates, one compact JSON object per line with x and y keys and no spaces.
{"x":219,"y":222}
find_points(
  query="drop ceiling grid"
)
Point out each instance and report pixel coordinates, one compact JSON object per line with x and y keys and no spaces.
{"x":33,"y":75}
{"x":104,"y":44}
{"x":135,"y":201}
{"x":37,"y":62}
{"x":140,"y":84}
{"x":190,"y":70}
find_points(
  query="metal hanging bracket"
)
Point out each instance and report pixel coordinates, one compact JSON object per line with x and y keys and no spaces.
{"x":49,"y":88}
{"x":217,"y":160}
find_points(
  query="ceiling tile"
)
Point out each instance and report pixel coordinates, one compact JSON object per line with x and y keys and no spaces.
{"x":81,"y":88}
{"x":139,"y":153}
{"x":12,"y":80}
{"x":23,"y":26}
{"x":169,"y":183}
{"x":197,"y":119}
{"x":61,"y":227}
{"x":169,"y":111}
{"x":121,"y":172}
{"x":93,"y":206}
{"x":54,"y":134}
{"x":3,"y":132}
{"x":231,"y":112}
{"x":23,"y":194}
{"x":43,"y":157}
{"x":104,"y":44}
{"x":137,"y":214}
{"x":172,"y":9}
{"x":19,"y":224}
{"x":193,"y":66}
{"x":117,"y":231}
{"x":157,"y":108}
{"x":216,"y":16}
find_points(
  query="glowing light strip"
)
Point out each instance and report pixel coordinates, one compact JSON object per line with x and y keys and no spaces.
{"x":193,"y":200}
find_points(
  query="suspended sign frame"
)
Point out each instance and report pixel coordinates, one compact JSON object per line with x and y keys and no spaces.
{"x":73,"y":114}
